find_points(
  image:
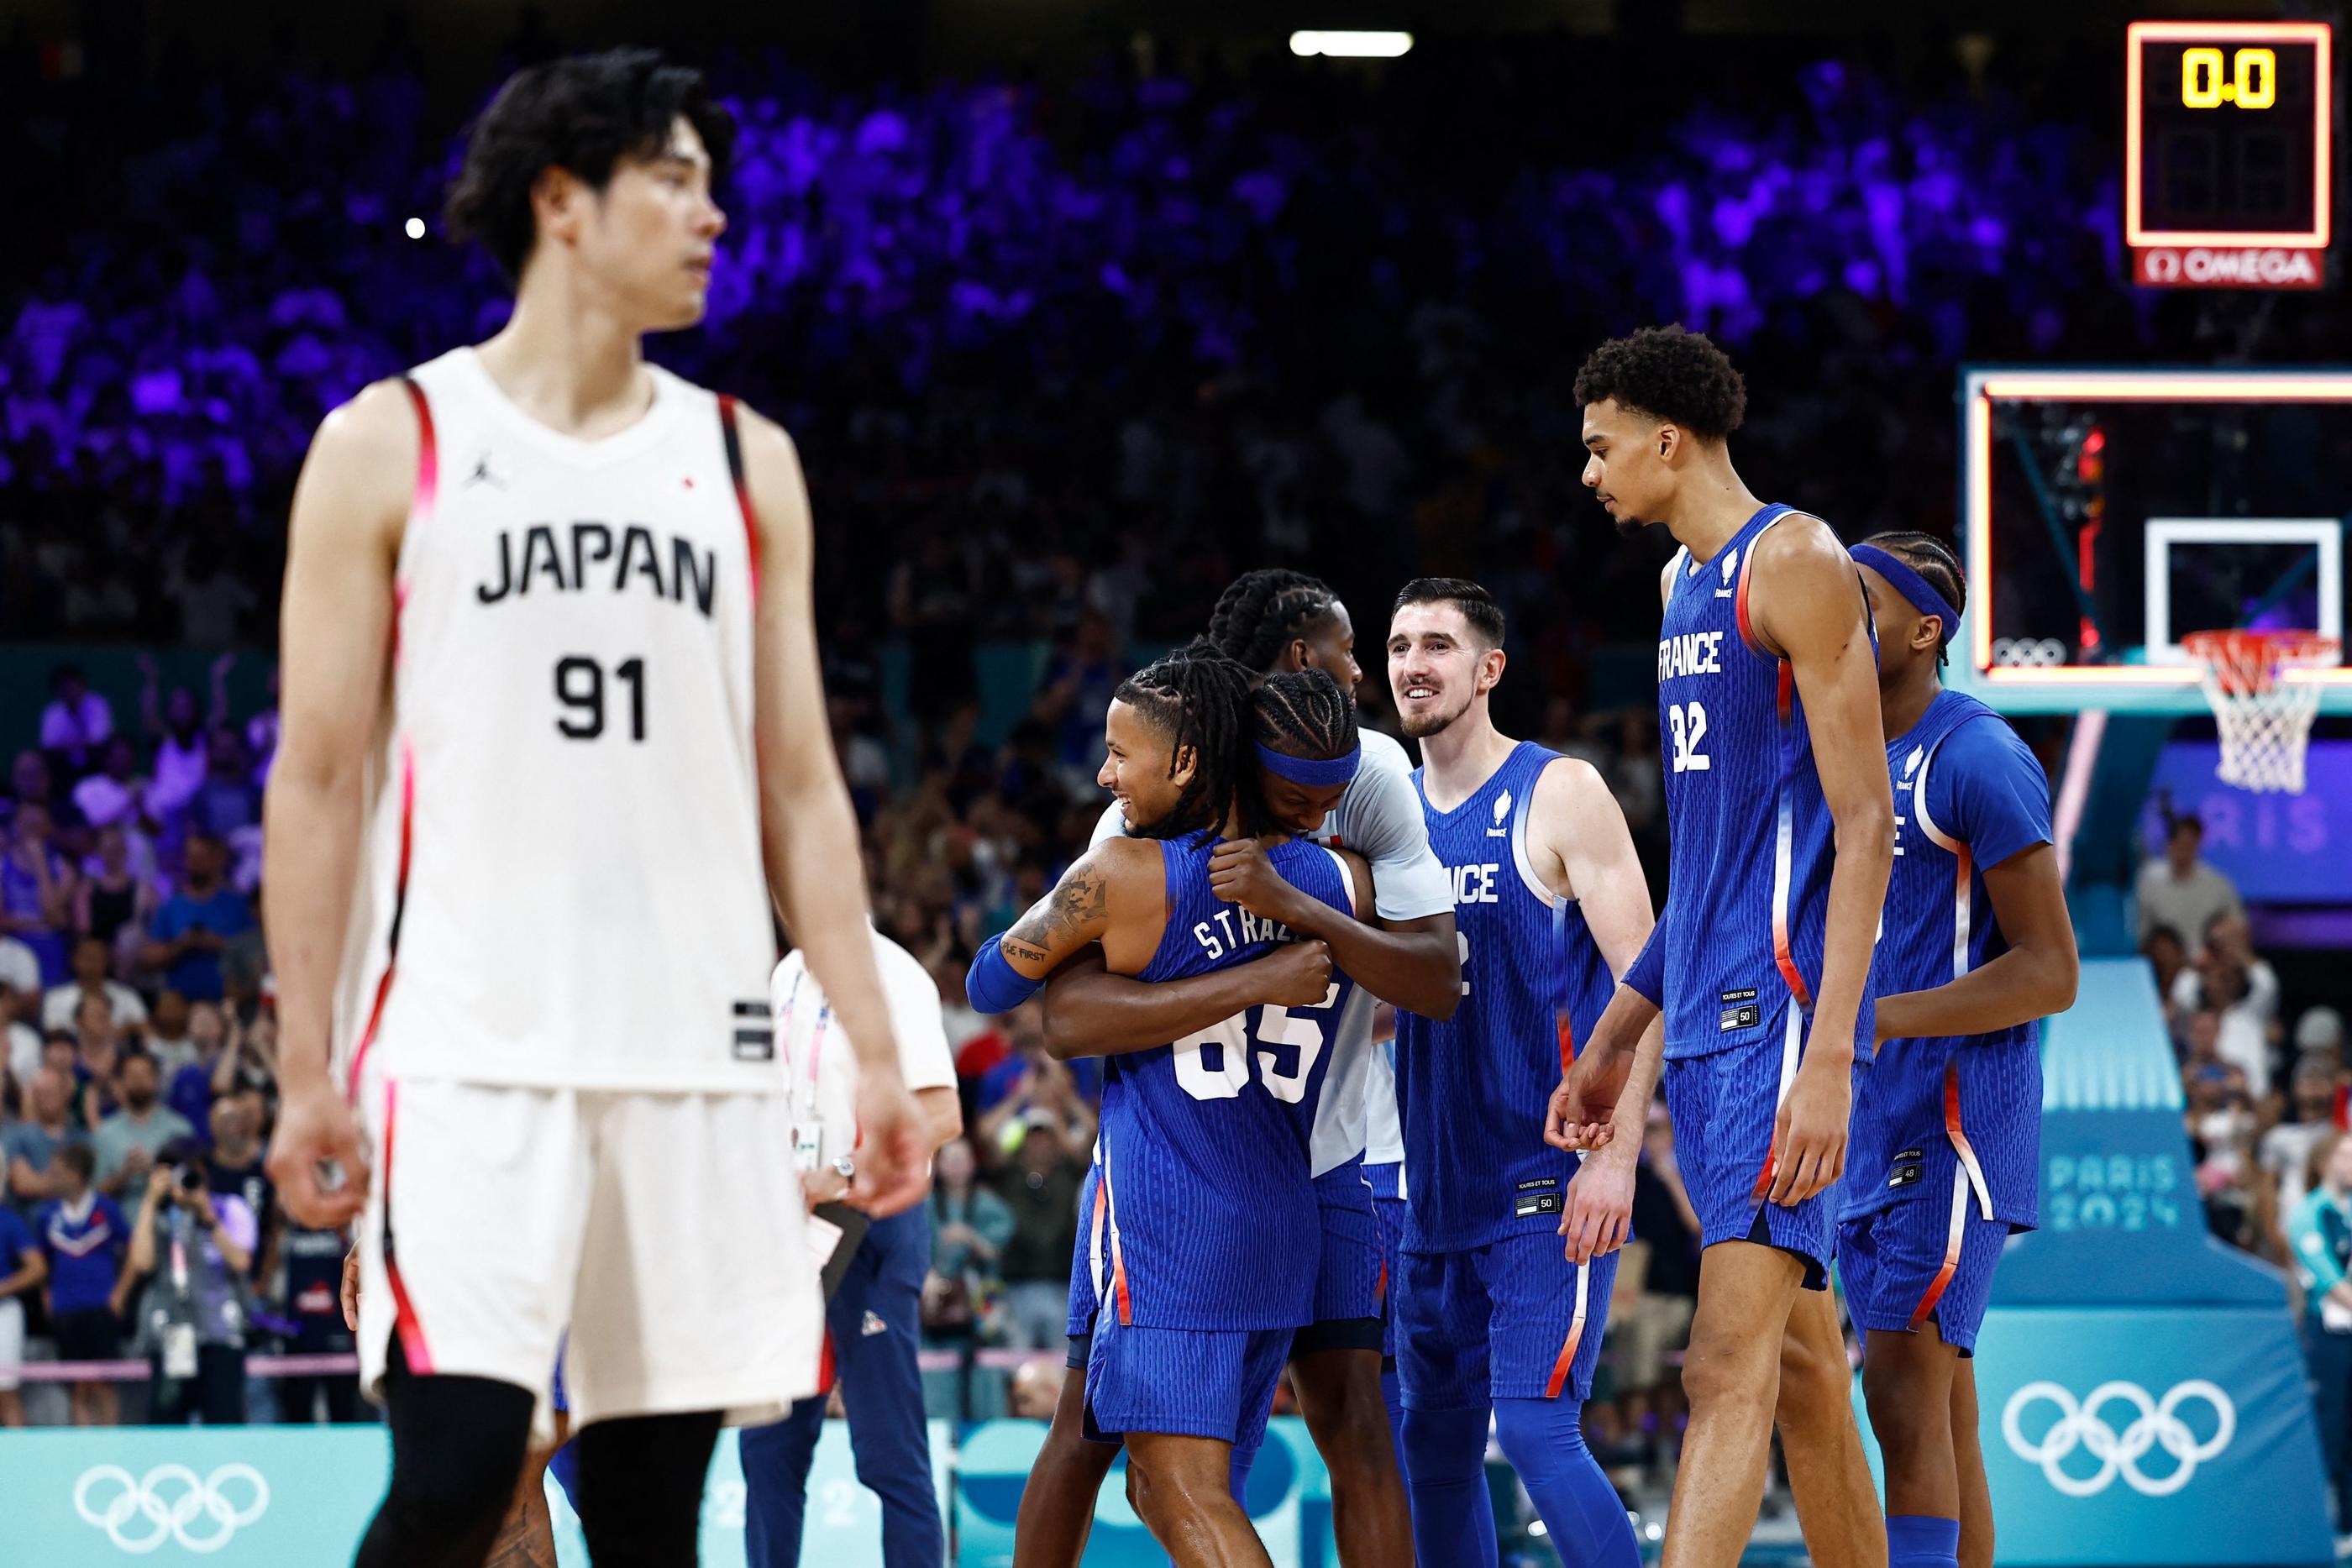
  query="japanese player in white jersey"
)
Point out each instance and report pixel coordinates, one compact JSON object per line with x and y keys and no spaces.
{"x":554,"y":744}
{"x":1277,"y":622}
{"x":1782,"y":831}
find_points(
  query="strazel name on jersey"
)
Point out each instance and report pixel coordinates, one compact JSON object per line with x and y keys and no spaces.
{"x":1205,"y":1216}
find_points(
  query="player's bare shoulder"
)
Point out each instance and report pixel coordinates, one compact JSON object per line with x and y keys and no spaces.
{"x":773,"y":484}
{"x":1572,"y":800}
{"x":1808,"y":595}
{"x":365,"y":466}
{"x":1567,"y":787}
{"x":1800,"y":545}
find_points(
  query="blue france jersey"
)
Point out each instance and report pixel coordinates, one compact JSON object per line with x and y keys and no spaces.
{"x":1968,"y":795}
{"x":1472,"y":1090}
{"x":1751,"y":847}
{"x":1206,"y":1218}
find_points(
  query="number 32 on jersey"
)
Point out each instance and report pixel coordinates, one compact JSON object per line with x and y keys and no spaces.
{"x":1277,"y":1027}
{"x":1686,"y":727}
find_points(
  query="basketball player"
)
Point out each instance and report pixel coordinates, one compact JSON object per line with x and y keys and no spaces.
{"x":550,"y":705}
{"x":1204,"y":1230}
{"x":1341,"y":1369}
{"x":1782,"y":832}
{"x":1976,"y":950}
{"x":1494,"y":1325}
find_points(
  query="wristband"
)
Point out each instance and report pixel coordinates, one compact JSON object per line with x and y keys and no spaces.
{"x":992,"y":986}
{"x":1646,"y":976}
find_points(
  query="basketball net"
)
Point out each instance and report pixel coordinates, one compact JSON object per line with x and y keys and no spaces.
{"x":2265,"y":721}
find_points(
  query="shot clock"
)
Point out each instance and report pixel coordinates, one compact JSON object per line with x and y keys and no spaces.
{"x":2229,"y":139}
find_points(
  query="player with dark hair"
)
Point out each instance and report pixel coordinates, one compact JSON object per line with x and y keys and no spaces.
{"x":1783,"y":834}
{"x":547,"y":612}
{"x":1290,"y":624}
{"x":1976,"y":950}
{"x":1202,"y":1228}
{"x":1273,"y":619}
{"x":1495,"y":1326}
{"x":588,"y":118}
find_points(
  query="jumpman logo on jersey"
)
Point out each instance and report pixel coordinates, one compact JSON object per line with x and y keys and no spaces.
{"x":482,"y":474}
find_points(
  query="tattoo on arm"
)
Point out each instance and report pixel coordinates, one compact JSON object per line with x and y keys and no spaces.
{"x":1059,"y":919}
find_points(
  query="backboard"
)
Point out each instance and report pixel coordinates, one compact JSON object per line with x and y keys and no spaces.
{"x":2105,"y":514}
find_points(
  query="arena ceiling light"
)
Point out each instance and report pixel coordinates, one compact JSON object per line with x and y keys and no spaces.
{"x":1350,"y":44}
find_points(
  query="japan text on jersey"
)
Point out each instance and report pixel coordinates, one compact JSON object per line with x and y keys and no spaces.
{"x":561,"y":883}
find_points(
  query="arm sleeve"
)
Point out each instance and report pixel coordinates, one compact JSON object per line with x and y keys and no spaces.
{"x":1995,"y":795}
{"x":1647,"y":973}
{"x":1382,"y":821}
{"x":1109,"y":825}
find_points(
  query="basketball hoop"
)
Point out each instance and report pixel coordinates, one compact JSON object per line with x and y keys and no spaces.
{"x":2265,"y":720}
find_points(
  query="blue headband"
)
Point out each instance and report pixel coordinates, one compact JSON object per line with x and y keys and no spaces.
{"x":1911,"y":586}
{"x":1338,"y":769}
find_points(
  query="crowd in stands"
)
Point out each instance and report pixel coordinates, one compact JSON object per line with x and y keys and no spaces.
{"x":139,"y":1068}
{"x":2264,"y":1105}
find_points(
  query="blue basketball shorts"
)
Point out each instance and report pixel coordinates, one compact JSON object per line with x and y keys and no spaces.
{"x":1723,"y":1105}
{"x":1919,"y":1261}
{"x":1087,"y":1262}
{"x":1512,"y":1320}
{"x":1388,"y":1207}
{"x":1201,"y":1383}
{"x":1348,"y":1280}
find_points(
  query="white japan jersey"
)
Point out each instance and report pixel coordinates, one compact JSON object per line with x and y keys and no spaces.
{"x":561,"y":882}
{"x":1379,"y":818}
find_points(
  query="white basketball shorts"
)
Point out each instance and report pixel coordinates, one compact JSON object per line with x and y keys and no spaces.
{"x":664,"y":1231}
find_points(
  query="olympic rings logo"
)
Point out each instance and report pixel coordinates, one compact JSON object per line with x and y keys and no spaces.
{"x":2028,"y":653}
{"x":140,"y":1515}
{"x":2156,"y":1424}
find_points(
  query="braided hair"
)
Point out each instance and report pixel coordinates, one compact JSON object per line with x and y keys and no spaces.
{"x":1263,"y":611}
{"x":1200,"y":700}
{"x":1931,"y":557}
{"x":1304,"y":714}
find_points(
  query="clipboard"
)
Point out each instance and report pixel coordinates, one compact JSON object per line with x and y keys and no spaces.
{"x":848,"y":1227}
